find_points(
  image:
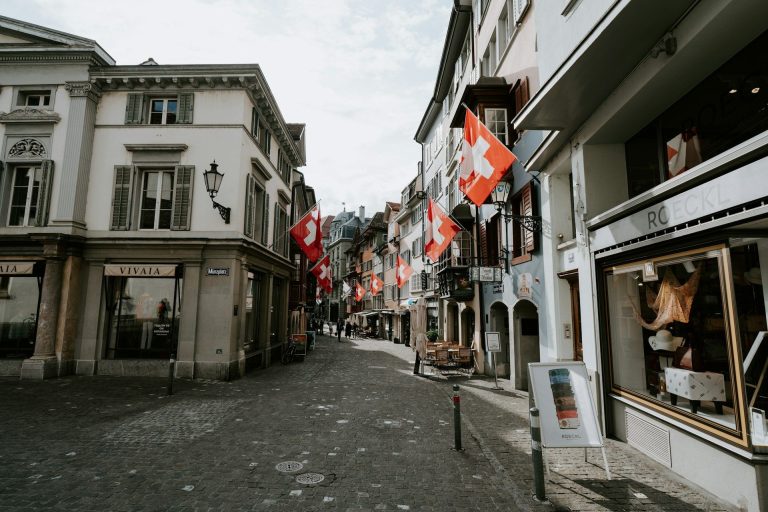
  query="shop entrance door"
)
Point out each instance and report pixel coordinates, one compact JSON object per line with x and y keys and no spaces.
{"x":500,"y":324}
{"x":526,"y":344}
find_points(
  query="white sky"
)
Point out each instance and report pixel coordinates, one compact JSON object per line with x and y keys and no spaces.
{"x":359,"y":73}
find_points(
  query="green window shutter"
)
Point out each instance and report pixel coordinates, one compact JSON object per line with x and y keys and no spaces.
{"x":186,"y":104}
{"x":265,"y":221}
{"x":121,"y":198}
{"x":134,"y":108}
{"x":276,"y":233}
{"x":44,"y":193}
{"x":182,"y":197}
{"x":249,"y":200}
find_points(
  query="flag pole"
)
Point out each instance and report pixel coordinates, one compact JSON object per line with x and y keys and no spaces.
{"x":308,"y":210}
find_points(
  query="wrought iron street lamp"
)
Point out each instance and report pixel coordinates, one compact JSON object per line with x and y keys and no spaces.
{"x":213,"y":180}
{"x":532,"y":223}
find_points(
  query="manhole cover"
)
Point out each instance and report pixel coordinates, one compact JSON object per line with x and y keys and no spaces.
{"x":310,"y":478}
{"x":290,"y":466}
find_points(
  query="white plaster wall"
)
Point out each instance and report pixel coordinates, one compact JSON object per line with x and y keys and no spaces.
{"x":227,"y":141}
{"x":558,"y":35}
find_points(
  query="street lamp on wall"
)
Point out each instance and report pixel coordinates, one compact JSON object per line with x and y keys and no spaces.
{"x":213,"y":180}
{"x":532,"y":223}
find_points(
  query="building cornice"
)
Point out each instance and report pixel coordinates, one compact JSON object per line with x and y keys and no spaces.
{"x":156,"y":147}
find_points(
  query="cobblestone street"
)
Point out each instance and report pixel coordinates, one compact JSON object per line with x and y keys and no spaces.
{"x":350,"y":428}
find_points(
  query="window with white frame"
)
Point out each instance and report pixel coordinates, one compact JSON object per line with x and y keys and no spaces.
{"x":163,"y":110}
{"x":156,"y":200}
{"x":496,"y":121}
{"x":35,"y":98}
{"x":144,"y":108}
{"x":416,"y":246}
{"x":25,"y":193}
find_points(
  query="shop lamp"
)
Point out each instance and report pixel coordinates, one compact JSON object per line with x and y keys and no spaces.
{"x":213,"y":180}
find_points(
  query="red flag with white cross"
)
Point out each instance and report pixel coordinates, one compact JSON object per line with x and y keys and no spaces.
{"x":307,"y":234}
{"x":376,"y":285}
{"x":403,"y":272}
{"x":322,"y":271}
{"x":438,"y":231}
{"x":359,"y":292}
{"x":484,"y":160}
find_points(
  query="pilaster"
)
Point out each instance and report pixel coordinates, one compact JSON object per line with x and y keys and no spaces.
{"x":75,"y":165}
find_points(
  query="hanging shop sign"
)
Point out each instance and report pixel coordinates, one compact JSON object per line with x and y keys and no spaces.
{"x":562,"y":395}
{"x":128,"y":270}
{"x":486,"y":274}
{"x":17,"y":268}
{"x":492,"y":342}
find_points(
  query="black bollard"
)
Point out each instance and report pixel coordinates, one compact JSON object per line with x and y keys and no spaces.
{"x":171,"y":365}
{"x":537,"y":456}
{"x":456,"y":418}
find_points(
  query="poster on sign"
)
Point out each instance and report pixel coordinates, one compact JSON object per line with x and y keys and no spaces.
{"x":562,"y":394}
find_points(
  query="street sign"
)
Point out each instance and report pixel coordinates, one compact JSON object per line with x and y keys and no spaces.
{"x":492,"y":342}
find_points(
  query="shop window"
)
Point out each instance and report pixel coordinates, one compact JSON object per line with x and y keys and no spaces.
{"x":670,"y":336}
{"x":152,"y":198}
{"x":723,"y":110}
{"x":254,"y":313}
{"x":256,"y":210}
{"x":19,"y":296}
{"x":30,"y":195}
{"x":141,"y":108}
{"x":144,"y":316}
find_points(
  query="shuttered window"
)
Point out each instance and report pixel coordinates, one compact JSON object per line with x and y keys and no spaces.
{"x":44,"y":201}
{"x":141,"y":108}
{"x":182,"y":198}
{"x":250,"y":188}
{"x":523,"y":240}
{"x":30,"y":195}
{"x":265,"y":221}
{"x":121,"y":197}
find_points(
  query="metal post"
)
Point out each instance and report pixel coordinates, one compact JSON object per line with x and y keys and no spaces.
{"x":171,"y":365}
{"x":536,"y":455}
{"x":456,"y":418}
{"x":495,"y":375}
{"x":506,"y":241}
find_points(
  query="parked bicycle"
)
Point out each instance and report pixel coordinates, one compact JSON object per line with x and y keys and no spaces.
{"x":289,"y":351}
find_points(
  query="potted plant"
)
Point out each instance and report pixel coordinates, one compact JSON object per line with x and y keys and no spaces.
{"x":432,"y":335}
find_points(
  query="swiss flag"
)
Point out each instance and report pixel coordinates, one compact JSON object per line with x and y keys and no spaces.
{"x":439,"y":231}
{"x":322,"y":271}
{"x":307,"y":234}
{"x":359,"y":292}
{"x":484,"y":160}
{"x":402,"y":272}
{"x":376,"y":285}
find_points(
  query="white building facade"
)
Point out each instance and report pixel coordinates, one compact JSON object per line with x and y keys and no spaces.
{"x":114,"y":259}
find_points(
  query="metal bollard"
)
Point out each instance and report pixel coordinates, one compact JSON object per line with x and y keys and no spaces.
{"x":171,"y":365}
{"x":456,"y":418}
{"x":537,"y":456}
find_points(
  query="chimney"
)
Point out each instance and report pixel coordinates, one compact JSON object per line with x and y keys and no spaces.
{"x":362,"y":213}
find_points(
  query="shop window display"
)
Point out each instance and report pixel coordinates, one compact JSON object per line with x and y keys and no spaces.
{"x":19,"y":299}
{"x":144,"y":317}
{"x":670,"y":341}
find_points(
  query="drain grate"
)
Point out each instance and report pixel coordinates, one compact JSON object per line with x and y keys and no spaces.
{"x":310,"y":478}
{"x":290,"y":466}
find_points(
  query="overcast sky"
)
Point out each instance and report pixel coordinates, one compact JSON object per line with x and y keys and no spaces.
{"x":359,"y":73}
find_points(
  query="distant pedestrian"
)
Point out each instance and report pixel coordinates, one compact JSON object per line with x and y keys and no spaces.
{"x":339,"y":328}
{"x":348,"y":330}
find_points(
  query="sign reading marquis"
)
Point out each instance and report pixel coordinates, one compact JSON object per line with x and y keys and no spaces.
{"x":16,"y":268}
{"x":140,"y":270}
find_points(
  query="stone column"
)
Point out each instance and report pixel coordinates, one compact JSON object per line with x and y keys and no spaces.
{"x":76,"y":162}
{"x":43,"y":364}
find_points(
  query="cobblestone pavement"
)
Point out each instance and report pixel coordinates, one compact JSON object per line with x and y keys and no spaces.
{"x":350,"y":428}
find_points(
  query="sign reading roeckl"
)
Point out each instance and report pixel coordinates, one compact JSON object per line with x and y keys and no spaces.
{"x":128,"y":270}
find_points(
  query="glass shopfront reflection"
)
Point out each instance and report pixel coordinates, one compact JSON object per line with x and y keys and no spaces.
{"x":144,"y":314}
{"x":19,"y":304}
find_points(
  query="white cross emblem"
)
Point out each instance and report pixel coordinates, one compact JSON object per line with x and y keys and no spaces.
{"x":437,"y":236}
{"x":324,"y":272}
{"x":312,"y":227}
{"x":481,"y":164}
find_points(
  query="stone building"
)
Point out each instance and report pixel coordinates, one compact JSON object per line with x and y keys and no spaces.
{"x":112,"y":259}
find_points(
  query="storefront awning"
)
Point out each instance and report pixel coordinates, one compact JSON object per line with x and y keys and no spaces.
{"x":368,"y":313}
{"x":131,"y":270}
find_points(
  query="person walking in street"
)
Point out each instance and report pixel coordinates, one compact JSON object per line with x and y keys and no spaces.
{"x":339,"y":328}
{"x":348,"y":330}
